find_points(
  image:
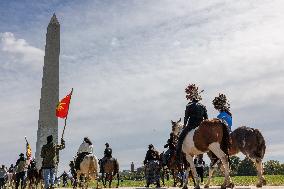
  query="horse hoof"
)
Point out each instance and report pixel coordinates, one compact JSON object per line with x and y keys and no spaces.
{"x":184,"y":187}
{"x":206,"y":186}
{"x":231,"y":185}
{"x":264,"y":182}
{"x":197,"y":187}
{"x":223,"y":186}
{"x":259,"y":185}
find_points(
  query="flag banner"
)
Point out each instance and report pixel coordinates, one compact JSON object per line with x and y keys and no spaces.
{"x":28,"y":151}
{"x":63,"y":107}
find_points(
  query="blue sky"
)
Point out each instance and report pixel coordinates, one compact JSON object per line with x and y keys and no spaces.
{"x":129,"y":62}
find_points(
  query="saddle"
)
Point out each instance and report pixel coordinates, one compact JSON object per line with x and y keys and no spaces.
{"x":79,"y":159}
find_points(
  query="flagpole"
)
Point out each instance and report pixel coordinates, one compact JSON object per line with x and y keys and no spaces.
{"x":66,"y":116}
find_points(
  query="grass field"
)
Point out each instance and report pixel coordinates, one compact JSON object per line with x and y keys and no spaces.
{"x":272,"y":180}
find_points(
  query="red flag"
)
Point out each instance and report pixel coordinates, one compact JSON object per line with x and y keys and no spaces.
{"x":63,"y":106}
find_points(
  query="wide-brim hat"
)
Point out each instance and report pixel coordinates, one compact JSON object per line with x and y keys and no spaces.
{"x":221,"y":103}
{"x":192,"y":92}
{"x":21,"y":155}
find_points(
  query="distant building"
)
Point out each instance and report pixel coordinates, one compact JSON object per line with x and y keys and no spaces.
{"x":140,"y":170}
{"x":132,"y":167}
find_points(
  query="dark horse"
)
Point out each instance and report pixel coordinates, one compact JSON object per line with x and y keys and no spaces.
{"x":110,"y":169}
{"x":34,"y":177}
{"x":251,"y":143}
{"x":176,"y":170}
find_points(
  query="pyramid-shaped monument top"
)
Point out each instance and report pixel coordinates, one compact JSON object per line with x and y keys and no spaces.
{"x":54,"y":20}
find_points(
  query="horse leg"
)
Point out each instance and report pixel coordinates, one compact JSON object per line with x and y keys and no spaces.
{"x":259,"y":168}
{"x":189,"y":159}
{"x":174,"y":177}
{"x":110,"y":181}
{"x":103,"y":179}
{"x":117,"y":180}
{"x":162,"y":176}
{"x":215,"y":148}
{"x":182,"y":180}
{"x":211,"y":171}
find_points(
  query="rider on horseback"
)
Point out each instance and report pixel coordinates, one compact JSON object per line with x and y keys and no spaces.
{"x":108,"y":151}
{"x":107,"y":155}
{"x":85,"y":148}
{"x":222,"y":105}
{"x":171,"y":144}
{"x":195,"y":113}
{"x":32,"y":164}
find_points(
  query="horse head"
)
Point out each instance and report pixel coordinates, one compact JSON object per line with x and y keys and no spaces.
{"x":33,"y":164}
{"x":177,"y":127}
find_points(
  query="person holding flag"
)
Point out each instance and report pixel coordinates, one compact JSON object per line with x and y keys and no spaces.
{"x":49,"y":155}
{"x":50,"y":151}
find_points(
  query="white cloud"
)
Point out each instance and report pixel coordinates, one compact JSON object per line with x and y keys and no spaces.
{"x":20,"y":50}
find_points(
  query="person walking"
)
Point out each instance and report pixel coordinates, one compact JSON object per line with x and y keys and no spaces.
{"x":21,"y":167}
{"x":199,"y":165}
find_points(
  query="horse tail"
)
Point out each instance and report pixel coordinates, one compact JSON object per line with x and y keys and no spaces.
{"x":261,"y":146}
{"x":225,"y":143}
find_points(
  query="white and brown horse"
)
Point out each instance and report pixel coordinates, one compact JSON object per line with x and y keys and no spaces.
{"x":210,"y":135}
{"x":89,"y":169}
{"x":251,"y":143}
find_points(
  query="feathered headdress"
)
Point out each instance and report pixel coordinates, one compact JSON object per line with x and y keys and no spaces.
{"x":192,"y":92}
{"x":220,"y":102}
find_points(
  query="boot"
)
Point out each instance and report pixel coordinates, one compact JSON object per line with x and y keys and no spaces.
{"x":158,"y":184}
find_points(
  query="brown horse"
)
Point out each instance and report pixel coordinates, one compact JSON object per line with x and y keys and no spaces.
{"x":251,"y":143}
{"x":176,"y":169}
{"x":210,"y":135}
{"x":34,"y":177}
{"x":110,"y":169}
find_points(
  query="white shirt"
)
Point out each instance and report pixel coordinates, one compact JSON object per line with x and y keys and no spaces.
{"x":85,"y":147}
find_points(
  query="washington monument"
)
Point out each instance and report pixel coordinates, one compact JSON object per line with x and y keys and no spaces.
{"x":48,"y":122}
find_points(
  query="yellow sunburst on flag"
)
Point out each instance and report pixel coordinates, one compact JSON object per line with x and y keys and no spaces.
{"x":60,"y":106}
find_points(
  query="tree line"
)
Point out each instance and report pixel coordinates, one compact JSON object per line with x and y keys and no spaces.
{"x":246,"y":167}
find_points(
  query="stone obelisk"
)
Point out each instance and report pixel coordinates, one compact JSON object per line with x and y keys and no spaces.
{"x":48,"y":122}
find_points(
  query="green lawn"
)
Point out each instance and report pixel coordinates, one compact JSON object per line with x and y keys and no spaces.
{"x":273,"y":180}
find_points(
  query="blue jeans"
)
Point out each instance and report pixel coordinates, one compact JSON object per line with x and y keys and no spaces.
{"x":49,"y":177}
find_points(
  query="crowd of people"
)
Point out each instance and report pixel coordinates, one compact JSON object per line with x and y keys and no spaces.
{"x":195,"y":113}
